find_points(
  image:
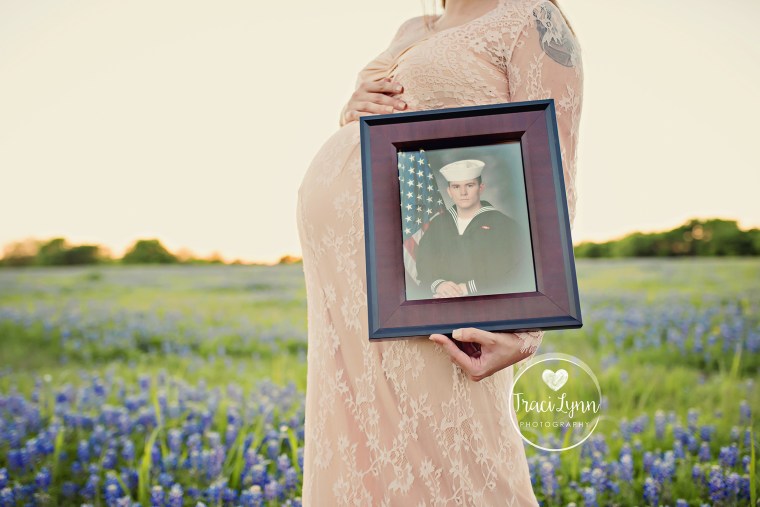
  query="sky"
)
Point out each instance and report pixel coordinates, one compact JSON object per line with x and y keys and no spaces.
{"x":194,"y":121}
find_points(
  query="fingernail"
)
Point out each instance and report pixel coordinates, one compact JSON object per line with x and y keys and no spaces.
{"x":398,"y":88}
{"x":457,"y":333}
{"x":401,"y":105}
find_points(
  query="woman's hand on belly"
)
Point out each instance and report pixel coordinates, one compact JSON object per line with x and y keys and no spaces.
{"x":372,"y":97}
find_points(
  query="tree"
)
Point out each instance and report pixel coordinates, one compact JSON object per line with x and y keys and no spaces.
{"x":148,"y":251}
{"x":21,"y":253}
{"x":289,"y":259}
{"x":52,"y":253}
{"x":83,"y":254}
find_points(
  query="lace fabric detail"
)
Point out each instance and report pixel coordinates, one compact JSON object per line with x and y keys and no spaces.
{"x":396,"y":423}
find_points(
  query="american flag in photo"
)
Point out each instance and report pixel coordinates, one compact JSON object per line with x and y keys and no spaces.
{"x":420,"y":202}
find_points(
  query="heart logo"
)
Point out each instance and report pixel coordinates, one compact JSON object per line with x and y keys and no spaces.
{"x":555,"y":380}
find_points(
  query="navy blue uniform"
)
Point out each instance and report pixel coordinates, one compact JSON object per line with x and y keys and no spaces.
{"x":486,"y":257}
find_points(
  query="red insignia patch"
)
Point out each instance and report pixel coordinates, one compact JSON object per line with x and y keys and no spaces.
{"x":485,"y":227}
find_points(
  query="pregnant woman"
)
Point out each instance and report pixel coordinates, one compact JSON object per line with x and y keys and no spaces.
{"x":419,"y":422}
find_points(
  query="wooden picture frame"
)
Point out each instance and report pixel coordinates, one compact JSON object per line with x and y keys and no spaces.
{"x":549,"y":300}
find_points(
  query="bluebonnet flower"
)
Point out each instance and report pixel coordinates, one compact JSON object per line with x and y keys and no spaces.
{"x":648,"y":460}
{"x":259,"y":474}
{"x":598,"y":479}
{"x":90,"y":489}
{"x":729,"y":456}
{"x":144,"y":381}
{"x":659,"y":424}
{"x":83,"y":451}
{"x":7,"y":498}
{"x":111,"y":494}
{"x":706,"y":432}
{"x":175,"y":496}
{"x":229,"y":496}
{"x":291,"y":478}
{"x":692,"y":417}
{"x":626,"y":468}
{"x":273,"y":449}
{"x":68,"y":489}
{"x":682,"y":503}
{"x":589,"y":497}
{"x":704,"y":452}
{"x":157,"y":496}
{"x":213,"y":493}
{"x":251,"y":458}
{"x":745,"y":414}
{"x":716,"y":484}
{"x":547,"y":479}
{"x":165,"y":480}
{"x":283,"y":463}
{"x":174,"y":440}
{"x":732,"y":485}
{"x":42,"y":480}
{"x":128,"y":450}
{"x":696,"y":473}
{"x":272,"y":490}
{"x":109,"y":460}
{"x":744,"y":493}
{"x":230,"y":434}
{"x":651,"y":495}
{"x":252,"y":497}
{"x":678,"y":451}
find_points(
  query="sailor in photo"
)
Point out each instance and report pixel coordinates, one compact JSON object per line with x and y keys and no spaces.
{"x":473,"y":249}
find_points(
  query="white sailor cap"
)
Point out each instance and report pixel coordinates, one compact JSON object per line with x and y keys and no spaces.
{"x":462,"y":170}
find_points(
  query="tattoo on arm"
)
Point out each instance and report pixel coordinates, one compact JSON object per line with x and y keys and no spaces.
{"x":555,"y":37}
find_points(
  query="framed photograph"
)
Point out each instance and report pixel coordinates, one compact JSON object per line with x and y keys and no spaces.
{"x":466,"y":221}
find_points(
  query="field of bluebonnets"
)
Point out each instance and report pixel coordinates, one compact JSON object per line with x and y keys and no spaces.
{"x":183,"y":386}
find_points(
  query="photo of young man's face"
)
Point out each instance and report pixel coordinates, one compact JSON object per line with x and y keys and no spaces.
{"x":464,"y":222}
{"x":465,"y":194}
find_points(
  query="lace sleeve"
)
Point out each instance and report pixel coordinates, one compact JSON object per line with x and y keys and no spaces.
{"x":545,"y":62}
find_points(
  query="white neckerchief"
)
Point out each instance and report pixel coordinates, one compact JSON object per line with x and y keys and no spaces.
{"x":462,"y":224}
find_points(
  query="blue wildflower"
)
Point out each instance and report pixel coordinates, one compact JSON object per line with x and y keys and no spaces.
{"x":157,"y":496}
{"x":745,"y":414}
{"x":729,"y":456}
{"x":626,"y":468}
{"x":651,"y":495}
{"x":589,"y":497}
{"x":175,"y":496}
{"x":659,"y":424}
{"x":704,"y":452}
{"x":716,"y":484}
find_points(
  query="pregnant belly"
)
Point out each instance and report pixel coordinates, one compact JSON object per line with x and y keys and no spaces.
{"x":334,"y":175}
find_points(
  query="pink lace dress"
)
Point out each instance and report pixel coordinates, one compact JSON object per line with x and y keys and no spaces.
{"x":396,"y":423}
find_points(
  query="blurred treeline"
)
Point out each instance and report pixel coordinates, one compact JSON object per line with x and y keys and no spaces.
{"x":58,"y":252}
{"x":704,"y":238}
{"x":696,"y":238}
